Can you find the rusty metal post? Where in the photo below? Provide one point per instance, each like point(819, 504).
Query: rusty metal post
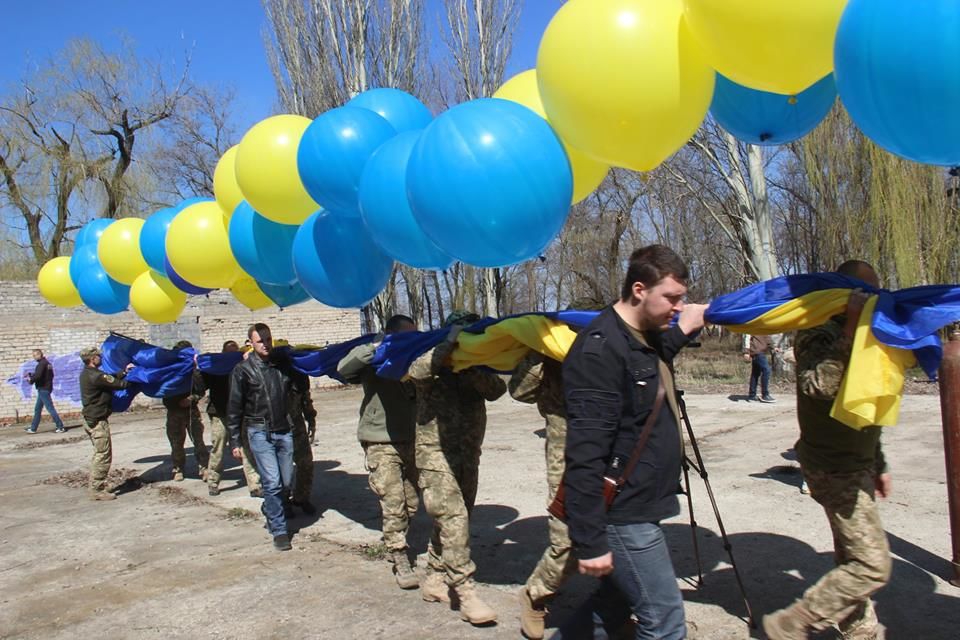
point(950, 410)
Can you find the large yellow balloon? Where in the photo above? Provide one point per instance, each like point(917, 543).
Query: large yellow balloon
point(249, 294)
point(198, 247)
point(266, 170)
point(155, 299)
point(55, 284)
point(587, 172)
point(119, 250)
point(622, 80)
point(225, 187)
point(781, 46)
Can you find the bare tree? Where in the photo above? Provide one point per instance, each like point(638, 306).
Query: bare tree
point(68, 138)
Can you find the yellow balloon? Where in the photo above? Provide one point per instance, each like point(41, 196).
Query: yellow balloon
point(55, 284)
point(587, 172)
point(249, 294)
point(622, 80)
point(781, 46)
point(119, 250)
point(155, 299)
point(198, 247)
point(225, 187)
point(266, 170)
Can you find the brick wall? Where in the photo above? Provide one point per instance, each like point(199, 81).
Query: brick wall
point(30, 322)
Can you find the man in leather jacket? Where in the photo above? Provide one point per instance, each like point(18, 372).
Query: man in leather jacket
point(260, 394)
point(612, 378)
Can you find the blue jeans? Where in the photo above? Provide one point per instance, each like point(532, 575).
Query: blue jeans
point(44, 400)
point(642, 583)
point(273, 452)
point(760, 370)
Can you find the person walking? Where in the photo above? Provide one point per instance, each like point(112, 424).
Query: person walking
point(42, 379)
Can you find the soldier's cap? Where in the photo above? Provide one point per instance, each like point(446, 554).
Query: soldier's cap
point(89, 352)
point(461, 317)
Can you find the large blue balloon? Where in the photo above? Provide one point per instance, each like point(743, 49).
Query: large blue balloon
point(490, 183)
point(332, 153)
point(284, 295)
point(101, 293)
point(261, 246)
point(179, 282)
point(760, 117)
point(91, 232)
point(898, 75)
point(153, 234)
point(83, 259)
point(386, 210)
point(399, 108)
point(337, 262)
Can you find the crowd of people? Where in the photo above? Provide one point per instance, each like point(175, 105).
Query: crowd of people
point(614, 450)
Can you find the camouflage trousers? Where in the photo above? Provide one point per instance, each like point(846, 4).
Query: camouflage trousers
point(393, 477)
point(303, 459)
point(448, 482)
point(99, 435)
point(181, 422)
point(219, 442)
point(861, 551)
point(556, 563)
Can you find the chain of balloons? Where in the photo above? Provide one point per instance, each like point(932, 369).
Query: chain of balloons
point(322, 209)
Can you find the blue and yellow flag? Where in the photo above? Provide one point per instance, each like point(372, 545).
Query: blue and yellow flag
point(896, 330)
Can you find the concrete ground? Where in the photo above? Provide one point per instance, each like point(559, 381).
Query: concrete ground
point(167, 561)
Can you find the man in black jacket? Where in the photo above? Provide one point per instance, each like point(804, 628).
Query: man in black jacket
point(260, 395)
point(612, 376)
point(96, 393)
point(42, 379)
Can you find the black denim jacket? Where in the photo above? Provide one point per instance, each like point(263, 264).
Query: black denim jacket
point(610, 384)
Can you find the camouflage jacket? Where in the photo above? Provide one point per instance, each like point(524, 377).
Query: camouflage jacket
point(537, 379)
point(826, 444)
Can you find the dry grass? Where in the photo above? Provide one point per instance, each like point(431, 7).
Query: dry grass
point(80, 479)
point(38, 444)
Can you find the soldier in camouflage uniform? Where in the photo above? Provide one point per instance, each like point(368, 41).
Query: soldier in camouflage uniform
point(304, 418)
point(96, 392)
point(219, 390)
point(843, 468)
point(183, 418)
point(451, 421)
point(388, 415)
point(537, 379)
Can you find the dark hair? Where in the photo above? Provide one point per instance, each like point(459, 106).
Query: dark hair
point(651, 264)
point(228, 343)
point(262, 330)
point(396, 322)
point(40, 351)
point(853, 268)
point(182, 344)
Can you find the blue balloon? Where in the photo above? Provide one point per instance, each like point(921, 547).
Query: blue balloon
point(399, 108)
point(179, 282)
point(262, 247)
point(91, 232)
point(386, 210)
point(101, 293)
point(153, 234)
point(489, 183)
point(83, 259)
point(897, 71)
point(337, 262)
point(764, 118)
point(332, 153)
point(284, 295)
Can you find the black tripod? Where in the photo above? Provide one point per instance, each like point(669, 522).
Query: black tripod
point(699, 467)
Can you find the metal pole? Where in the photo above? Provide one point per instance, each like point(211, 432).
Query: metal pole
point(950, 410)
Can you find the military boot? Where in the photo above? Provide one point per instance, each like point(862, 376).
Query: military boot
point(434, 588)
point(472, 608)
point(102, 495)
point(532, 616)
point(793, 623)
point(406, 578)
